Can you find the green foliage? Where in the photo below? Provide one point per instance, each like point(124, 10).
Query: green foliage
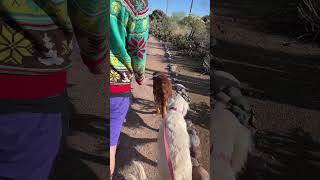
point(206, 18)
point(190, 34)
point(178, 16)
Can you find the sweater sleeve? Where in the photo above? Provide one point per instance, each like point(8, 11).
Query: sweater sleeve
point(137, 37)
point(89, 21)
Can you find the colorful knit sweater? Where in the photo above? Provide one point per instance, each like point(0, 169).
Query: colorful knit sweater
point(129, 30)
point(36, 40)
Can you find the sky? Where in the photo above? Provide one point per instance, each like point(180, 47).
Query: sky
point(200, 7)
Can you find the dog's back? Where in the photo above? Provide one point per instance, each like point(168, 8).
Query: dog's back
point(179, 143)
point(178, 140)
point(162, 91)
point(231, 144)
point(224, 127)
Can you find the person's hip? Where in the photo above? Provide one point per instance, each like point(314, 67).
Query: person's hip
point(29, 143)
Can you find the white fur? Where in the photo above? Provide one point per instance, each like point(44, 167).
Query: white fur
point(178, 140)
point(230, 137)
point(139, 173)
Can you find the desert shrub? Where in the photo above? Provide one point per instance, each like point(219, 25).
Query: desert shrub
point(190, 34)
point(157, 14)
point(309, 11)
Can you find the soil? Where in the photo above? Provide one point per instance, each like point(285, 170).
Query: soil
point(280, 77)
point(138, 140)
point(86, 154)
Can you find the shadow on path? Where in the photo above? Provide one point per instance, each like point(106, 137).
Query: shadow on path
point(70, 164)
point(291, 155)
point(126, 153)
point(145, 107)
point(273, 76)
point(71, 167)
point(200, 114)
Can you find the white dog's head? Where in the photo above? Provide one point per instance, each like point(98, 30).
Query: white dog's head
point(180, 104)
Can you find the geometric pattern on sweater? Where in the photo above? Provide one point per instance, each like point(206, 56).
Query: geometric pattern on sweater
point(129, 30)
point(36, 37)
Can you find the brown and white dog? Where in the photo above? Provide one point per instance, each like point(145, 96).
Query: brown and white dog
point(162, 91)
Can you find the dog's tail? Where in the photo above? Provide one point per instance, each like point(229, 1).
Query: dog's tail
point(242, 148)
point(139, 173)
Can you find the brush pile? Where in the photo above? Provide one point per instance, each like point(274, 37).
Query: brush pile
point(227, 91)
point(309, 11)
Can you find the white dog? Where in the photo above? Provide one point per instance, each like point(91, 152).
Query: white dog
point(178, 142)
point(231, 143)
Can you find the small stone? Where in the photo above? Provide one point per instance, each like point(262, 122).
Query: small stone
point(221, 96)
point(189, 124)
point(195, 152)
point(194, 162)
point(240, 114)
point(242, 102)
point(200, 173)
point(221, 88)
point(222, 78)
point(220, 105)
point(213, 42)
point(173, 68)
point(234, 92)
point(167, 54)
point(194, 139)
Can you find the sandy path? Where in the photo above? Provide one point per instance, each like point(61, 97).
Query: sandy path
point(87, 156)
point(139, 136)
point(279, 78)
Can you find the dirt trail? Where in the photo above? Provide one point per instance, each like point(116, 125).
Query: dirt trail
point(278, 74)
point(87, 156)
point(138, 140)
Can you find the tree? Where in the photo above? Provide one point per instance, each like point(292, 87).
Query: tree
point(195, 22)
point(167, 7)
point(191, 7)
point(157, 14)
point(178, 16)
point(206, 18)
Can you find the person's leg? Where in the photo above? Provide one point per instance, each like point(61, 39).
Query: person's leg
point(29, 143)
point(119, 107)
point(113, 150)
